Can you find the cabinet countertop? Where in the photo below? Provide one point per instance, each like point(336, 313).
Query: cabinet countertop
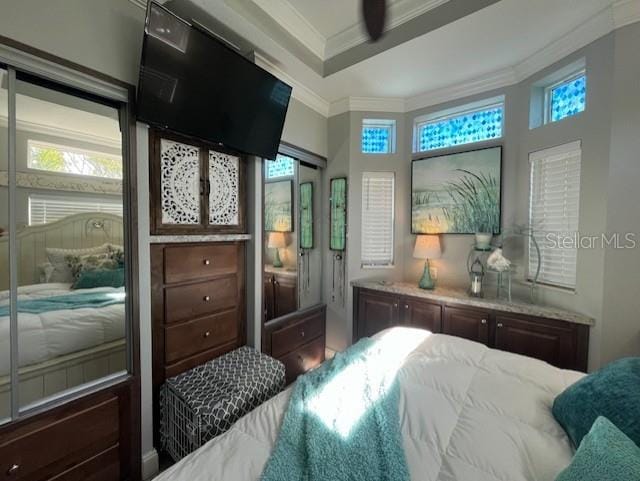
point(461, 296)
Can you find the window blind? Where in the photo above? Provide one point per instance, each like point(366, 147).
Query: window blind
point(377, 219)
point(553, 213)
point(44, 209)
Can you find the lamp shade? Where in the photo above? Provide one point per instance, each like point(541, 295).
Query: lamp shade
point(276, 240)
point(427, 247)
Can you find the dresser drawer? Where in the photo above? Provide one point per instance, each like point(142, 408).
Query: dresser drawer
point(188, 338)
point(61, 444)
point(188, 263)
point(184, 303)
point(290, 337)
point(303, 359)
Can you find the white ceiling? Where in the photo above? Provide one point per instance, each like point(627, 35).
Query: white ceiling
point(493, 47)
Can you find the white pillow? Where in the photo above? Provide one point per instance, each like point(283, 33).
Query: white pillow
point(45, 271)
point(57, 258)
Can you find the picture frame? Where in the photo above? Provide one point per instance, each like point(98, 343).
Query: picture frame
point(306, 215)
point(457, 192)
point(278, 206)
point(338, 214)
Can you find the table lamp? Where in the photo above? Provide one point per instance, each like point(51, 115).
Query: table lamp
point(277, 242)
point(427, 247)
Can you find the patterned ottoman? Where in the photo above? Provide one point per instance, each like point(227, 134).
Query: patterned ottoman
point(202, 403)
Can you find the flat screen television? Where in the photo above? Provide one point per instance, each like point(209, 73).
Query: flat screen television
point(194, 84)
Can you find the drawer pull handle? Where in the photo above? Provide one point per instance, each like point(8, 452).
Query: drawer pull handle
point(500, 325)
point(302, 333)
point(483, 321)
point(406, 306)
point(206, 298)
point(207, 262)
point(300, 359)
point(207, 334)
point(13, 470)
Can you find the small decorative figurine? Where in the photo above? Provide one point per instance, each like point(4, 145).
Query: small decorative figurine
point(498, 262)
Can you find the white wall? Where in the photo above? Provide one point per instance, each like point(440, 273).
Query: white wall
point(621, 311)
point(105, 35)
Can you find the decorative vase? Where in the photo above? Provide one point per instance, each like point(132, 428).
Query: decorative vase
point(426, 282)
point(483, 240)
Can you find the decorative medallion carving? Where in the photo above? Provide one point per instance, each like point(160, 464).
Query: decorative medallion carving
point(224, 177)
point(180, 183)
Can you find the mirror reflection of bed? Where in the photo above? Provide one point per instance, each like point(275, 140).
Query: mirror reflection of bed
point(71, 312)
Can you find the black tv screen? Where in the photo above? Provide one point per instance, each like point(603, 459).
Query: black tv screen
point(192, 83)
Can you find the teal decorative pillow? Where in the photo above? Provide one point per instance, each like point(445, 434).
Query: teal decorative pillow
point(100, 278)
point(605, 454)
point(612, 392)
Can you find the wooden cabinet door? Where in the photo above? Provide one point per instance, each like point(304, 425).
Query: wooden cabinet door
point(375, 313)
point(286, 295)
point(467, 323)
point(550, 341)
point(269, 299)
point(421, 314)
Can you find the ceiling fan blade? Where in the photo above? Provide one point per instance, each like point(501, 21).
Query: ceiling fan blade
point(375, 15)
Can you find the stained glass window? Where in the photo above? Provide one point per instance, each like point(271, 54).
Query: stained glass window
point(378, 136)
point(567, 98)
point(283, 166)
point(474, 126)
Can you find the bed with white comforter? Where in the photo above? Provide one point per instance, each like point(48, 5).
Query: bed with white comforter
point(48, 335)
point(467, 412)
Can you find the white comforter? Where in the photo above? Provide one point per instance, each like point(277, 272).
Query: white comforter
point(468, 413)
point(51, 334)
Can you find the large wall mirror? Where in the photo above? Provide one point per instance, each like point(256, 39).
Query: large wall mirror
point(292, 239)
point(63, 219)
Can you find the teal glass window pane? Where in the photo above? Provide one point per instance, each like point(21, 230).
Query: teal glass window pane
point(462, 129)
point(376, 140)
point(569, 98)
point(283, 166)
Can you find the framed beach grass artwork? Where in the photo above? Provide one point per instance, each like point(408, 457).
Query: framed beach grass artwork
point(457, 193)
point(278, 206)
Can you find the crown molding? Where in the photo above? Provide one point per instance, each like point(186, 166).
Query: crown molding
point(367, 104)
point(626, 12)
point(400, 12)
point(300, 91)
point(295, 23)
point(491, 81)
point(620, 13)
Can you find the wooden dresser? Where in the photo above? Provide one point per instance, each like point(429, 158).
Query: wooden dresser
point(197, 305)
point(558, 337)
point(89, 438)
point(298, 340)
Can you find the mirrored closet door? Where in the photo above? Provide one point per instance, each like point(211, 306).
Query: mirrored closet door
point(62, 243)
point(5, 325)
point(292, 241)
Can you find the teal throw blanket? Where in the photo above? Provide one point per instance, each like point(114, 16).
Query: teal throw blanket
point(69, 301)
point(342, 422)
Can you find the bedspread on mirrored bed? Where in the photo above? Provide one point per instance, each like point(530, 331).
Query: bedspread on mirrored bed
point(62, 346)
point(467, 413)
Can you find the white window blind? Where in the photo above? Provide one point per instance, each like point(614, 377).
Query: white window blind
point(377, 219)
point(44, 209)
point(553, 213)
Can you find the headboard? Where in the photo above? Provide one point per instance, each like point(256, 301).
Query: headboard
point(77, 231)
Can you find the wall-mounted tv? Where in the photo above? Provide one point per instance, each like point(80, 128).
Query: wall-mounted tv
point(193, 83)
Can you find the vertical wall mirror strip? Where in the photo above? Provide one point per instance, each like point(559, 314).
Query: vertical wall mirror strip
point(66, 273)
